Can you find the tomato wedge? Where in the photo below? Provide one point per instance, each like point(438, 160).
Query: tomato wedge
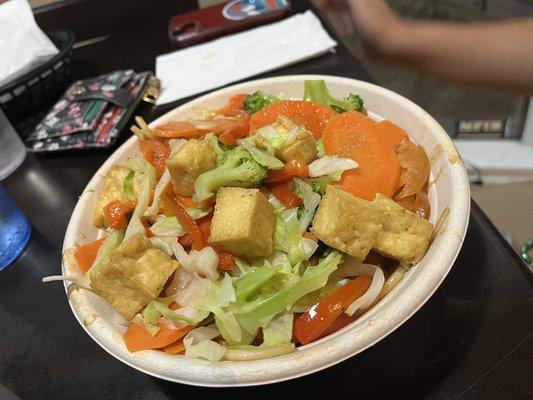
point(313, 323)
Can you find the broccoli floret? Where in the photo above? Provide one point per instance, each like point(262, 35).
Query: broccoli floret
point(258, 100)
point(237, 169)
point(316, 91)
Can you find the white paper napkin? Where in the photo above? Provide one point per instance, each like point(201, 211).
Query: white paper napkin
point(22, 44)
point(242, 55)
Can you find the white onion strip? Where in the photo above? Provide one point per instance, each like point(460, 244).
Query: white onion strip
point(367, 299)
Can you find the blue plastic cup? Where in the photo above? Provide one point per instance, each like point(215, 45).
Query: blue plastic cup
point(14, 230)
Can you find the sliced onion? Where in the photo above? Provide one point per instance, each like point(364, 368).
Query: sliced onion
point(370, 295)
point(159, 188)
point(257, 353)
point(354, 267)
point(329, 165)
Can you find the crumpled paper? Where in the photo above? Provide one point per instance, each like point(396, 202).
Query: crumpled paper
point(213, 64)
point(23, 45)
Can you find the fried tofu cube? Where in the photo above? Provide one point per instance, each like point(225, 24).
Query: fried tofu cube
point(113, 191)
point(302, 145)
point(132, 276)
point(243, 223)
point(347, 223)
point(193, 159)
point(404, 235)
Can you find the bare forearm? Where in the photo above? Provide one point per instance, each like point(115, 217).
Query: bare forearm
point(498, 55)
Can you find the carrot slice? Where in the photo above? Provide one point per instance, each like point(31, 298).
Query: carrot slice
point(86, 254)
point(314, 322)
point(390, 133)
point(313, 116)
point(175, 348)
point(353, 135)
point(138, 338)
point(177, 129)
point(226, 261)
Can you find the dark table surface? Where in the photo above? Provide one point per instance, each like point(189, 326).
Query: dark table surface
point(471, 340)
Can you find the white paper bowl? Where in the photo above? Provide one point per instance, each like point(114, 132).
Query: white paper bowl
point(448, 188)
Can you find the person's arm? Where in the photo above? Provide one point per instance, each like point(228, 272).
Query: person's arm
point(492, 54)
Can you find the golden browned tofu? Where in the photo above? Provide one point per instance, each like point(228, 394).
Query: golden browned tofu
point(301, 142)
point(113, 191)
point(193, 159)
point(404, 236)
point(132, 276)
point(243, 223)
point(347, 223)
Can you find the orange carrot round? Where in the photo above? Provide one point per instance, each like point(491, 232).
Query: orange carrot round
point(352, 135)
point(313, 116)
point(86, 254)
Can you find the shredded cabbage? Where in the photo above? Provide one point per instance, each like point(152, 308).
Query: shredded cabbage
point(310, 199)
point(199, 344)
point(279, 330)
point(252, 280)
point(293, 236)
point(127, 185)
point(140, 165)
point(258, 313)
point(159, 188)
point(320, 148)
point(111, 242)
point(167, 227)
point(260, 156)
point(328, 165)
point(187, 315)
point(203, 261)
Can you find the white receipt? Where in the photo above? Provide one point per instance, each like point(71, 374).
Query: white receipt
point(216, 63)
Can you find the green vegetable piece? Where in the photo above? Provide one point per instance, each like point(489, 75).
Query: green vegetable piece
point(316, 91)
point(258, 313)
point(239, 169)
point(250, 282)
point(127, 185)
point(257, 101)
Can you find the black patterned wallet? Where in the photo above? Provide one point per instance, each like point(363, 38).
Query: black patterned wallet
point(92, 112)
